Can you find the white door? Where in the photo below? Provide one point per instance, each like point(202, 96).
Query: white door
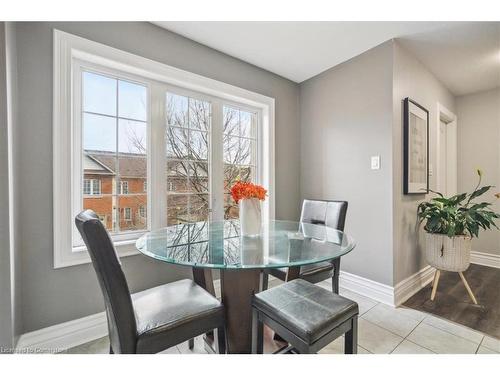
point(443, 157)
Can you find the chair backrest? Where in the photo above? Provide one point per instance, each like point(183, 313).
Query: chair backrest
point(329, 213)
point(118, 303)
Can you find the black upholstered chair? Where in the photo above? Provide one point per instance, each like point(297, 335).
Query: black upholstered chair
point(305, 315)
point(152, 320)
point(322, 212)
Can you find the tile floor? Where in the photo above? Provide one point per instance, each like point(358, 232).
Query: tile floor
point(382, 330)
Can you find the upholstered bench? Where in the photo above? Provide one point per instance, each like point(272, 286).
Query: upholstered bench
point(307, 316)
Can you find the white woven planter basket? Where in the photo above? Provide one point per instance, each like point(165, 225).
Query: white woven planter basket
point(448, 254)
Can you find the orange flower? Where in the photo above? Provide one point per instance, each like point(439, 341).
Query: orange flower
point(247, 190)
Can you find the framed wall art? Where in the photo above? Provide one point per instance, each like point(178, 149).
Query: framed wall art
point(416, 148)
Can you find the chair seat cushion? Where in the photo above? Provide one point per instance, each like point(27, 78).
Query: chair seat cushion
point(307, 310)
point(173, 310)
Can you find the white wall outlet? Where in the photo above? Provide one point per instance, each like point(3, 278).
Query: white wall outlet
point(430, 170)
point(376, 162)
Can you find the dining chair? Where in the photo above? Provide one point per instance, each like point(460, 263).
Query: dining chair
point(321, 212)
point(152, 320)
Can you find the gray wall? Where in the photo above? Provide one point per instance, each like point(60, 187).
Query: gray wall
point(6, 328)
point(53, 296)
point(479, 147)
point(346, 117)
point(412, 79)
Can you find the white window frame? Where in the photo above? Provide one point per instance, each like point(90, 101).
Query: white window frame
point(122, 185)
point(69, 48)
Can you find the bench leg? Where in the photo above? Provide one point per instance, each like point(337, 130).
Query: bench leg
point(257, 334)
point(336, 274)
point(191, 344)
point(351, 338)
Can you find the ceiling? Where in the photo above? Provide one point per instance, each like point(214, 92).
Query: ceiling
point(465, 56)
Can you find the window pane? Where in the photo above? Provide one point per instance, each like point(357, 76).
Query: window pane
point(246, 124)
point(132, 100)
point(231, 175)
point(132, 137)
point(130, 215)
point(99, 94)
point(199, 114)
point(177, 110)
point(231, 120)
point(199, 204)
point(231, 210)
point(177, 209)
point(231, 150)
point(177, 143)
point(99, 133)
point(102, 205)
point(198, 142)
point(246, 152)
point(198, 177)
point(177, 179)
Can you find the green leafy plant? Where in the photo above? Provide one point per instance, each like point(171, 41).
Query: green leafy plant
point(458, 215)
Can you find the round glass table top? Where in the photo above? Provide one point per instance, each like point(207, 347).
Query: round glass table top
point(219, 245)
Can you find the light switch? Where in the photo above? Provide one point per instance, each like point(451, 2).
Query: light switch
point(376, 162)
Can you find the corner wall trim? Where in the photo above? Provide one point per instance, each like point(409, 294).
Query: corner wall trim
point(366, 287)
point(485, 259)
point(412, 284)
point(63, 336)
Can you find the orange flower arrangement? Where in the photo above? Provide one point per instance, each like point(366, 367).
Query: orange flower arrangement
point(247, 190)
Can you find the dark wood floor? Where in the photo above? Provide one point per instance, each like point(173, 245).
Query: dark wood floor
point(453, 303)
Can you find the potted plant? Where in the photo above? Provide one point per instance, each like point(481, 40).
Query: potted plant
point(249, 196)
point(450, 225)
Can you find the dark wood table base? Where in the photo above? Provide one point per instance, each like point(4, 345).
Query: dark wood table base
point(237, 288)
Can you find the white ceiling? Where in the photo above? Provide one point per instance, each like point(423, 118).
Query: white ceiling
point(464, 57)
point(456, 52)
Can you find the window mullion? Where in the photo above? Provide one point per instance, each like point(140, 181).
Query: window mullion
point(157, 160)
point(217, 161)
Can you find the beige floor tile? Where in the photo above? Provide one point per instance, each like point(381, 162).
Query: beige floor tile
point(392, 319)
point(484, 350)
point(456, 329)
point(364, 303)
point(99, 346)
point(376, 339)
point(491, 343)
point(408, 347)
point(411, 313)
point(199, 347)
point(440, 341)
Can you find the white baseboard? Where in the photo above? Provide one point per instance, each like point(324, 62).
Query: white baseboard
point(63, 336)
point(485, 259)
point(366, 287)
point(411, 285)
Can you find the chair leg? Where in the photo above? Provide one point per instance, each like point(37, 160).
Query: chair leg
point(351, 338)
point(265, 280)
point(435, 284)
point(257, 334)
point(220, 340)
point(336, 274)
point(191, 344)
point(469, 290)
point(111, 350)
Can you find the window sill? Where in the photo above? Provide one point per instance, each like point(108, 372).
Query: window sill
point(79, 254)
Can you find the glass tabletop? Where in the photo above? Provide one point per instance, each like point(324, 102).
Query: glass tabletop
point(219, 245)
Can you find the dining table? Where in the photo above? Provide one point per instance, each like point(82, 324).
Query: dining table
point(241, 260)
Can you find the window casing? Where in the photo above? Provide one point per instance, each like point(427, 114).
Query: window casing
point(72, 57)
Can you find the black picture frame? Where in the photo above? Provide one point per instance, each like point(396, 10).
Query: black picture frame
point(410, 107)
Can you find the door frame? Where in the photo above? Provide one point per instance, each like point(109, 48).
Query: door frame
point(451, 179)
